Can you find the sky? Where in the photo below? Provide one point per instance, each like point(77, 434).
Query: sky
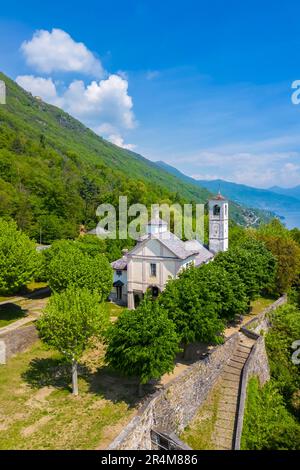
point(204, 86)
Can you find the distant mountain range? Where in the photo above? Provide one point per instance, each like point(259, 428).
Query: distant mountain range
point(276, 199)
point(293, 192)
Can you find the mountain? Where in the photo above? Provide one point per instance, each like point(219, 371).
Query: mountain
point(292, 192)
point(54, 171)
point(246, 195)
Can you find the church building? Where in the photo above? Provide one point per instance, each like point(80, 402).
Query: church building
point(160, 255)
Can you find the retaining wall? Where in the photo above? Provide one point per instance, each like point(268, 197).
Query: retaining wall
point(174, 406)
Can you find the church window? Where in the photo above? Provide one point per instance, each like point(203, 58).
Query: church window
point(119, 273)
point(216, 210)
point(153, 269)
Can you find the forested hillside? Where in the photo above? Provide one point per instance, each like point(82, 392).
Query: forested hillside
point(54, 171)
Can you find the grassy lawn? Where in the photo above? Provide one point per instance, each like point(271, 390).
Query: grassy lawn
point(28, 289)
point(37, 410)
point(9, 313)
point(198, 434)
point(114, 310)
point(258, 305)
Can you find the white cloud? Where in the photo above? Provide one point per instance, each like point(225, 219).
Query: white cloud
point(104, 106)
point(119, 141)
point(107, 99)
point(54, 51)
point(38, 86)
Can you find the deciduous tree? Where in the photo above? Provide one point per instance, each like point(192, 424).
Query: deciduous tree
point(71, 320)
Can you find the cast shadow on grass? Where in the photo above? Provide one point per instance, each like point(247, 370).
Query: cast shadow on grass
point(112, 386)
point(10, 312)
point(53, 372)
point(46, 372)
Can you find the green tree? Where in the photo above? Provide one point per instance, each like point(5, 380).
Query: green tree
point(223, 288)
point(142, 342)
point(193, 308)
point(19, 260)
point(70, 266)
point(253, 263)
point(71, 321)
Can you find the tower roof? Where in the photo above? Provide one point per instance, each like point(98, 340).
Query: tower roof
point(219, 197)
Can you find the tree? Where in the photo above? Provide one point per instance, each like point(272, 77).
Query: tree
point(193, 308)
point(285, 330)
point(287, 254)
point(19, 260)
point(253, 263)
point(142, 342)
point(70, 322)
point(68, 266)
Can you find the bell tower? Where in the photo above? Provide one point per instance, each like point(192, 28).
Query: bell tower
point(218, 224)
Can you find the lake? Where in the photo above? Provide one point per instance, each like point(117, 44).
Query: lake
point(291, 219)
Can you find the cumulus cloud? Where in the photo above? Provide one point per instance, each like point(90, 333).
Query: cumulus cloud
point(56, 50)
point(107, 99)
point(38, 86)
point(104, 106)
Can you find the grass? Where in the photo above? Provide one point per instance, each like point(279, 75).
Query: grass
point(114, 310)
point(198, 434)
point(258, 305)
point(38, 411)
point(9, 313)
point(28, 289)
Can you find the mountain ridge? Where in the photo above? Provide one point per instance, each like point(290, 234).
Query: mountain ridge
point(54, 171)
point(263, 199)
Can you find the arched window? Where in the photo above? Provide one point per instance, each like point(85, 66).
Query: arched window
point(225, 209)
point(216, 210)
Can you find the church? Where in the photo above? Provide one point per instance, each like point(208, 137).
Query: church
point(160, 255)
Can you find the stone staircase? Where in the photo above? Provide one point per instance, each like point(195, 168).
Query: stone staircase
point(224, 426)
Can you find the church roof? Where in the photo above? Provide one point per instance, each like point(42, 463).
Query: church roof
point(120, 264)
point(179, 248)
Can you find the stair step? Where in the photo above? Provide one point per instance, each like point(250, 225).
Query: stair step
point(231, 377)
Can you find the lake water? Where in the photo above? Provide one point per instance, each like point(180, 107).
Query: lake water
point(291, 219)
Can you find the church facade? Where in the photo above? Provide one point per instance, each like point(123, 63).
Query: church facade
point(159, 255)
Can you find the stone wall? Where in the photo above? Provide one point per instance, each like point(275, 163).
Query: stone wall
point(17, 340)
point(174, 406)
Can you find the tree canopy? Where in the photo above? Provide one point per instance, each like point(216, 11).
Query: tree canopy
point(19, 260)
point(68, 265)
point(253, 263)
point(193, 307)
point(71, 320)
point(142, 342)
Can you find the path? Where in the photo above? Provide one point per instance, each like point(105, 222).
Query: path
point(223, 433)
point(33, 307)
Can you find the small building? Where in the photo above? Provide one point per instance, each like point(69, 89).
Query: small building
point(160, 255)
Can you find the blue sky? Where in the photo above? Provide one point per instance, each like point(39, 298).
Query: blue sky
point(204, 86)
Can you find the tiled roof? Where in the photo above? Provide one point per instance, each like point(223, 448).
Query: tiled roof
point(181, 250)
point(203, 256)
point(120, 264)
